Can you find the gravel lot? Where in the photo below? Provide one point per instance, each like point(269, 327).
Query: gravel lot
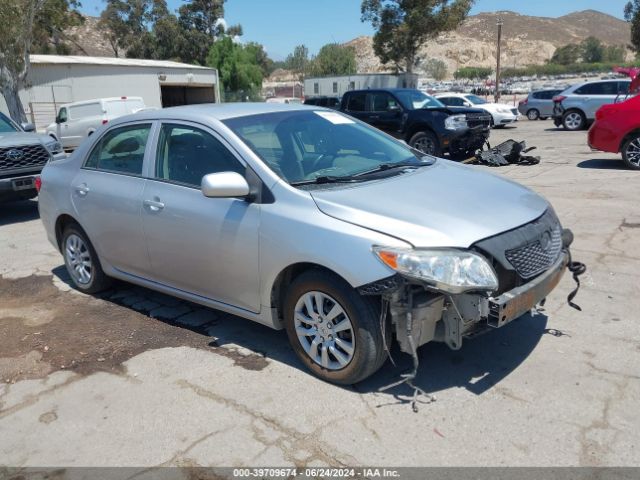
point(136, 378)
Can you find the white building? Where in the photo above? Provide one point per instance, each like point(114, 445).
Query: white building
point(55, 79)
point(335, 86)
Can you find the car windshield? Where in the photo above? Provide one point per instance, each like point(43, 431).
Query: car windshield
point(302, 146)
point(476, 100)
point(6, 125)
point(415, 100)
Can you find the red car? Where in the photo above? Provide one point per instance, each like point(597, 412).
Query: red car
point(617, 129)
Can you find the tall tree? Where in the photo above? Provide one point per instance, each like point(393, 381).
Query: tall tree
point(298, 61)
point(402, 26)
point(238, 68)
point(50, 28)
point(334, 59)
point(592, 50)
point(17, 19)
point(632, 15)
point(566, 55)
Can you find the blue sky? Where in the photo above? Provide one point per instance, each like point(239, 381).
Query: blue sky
point(282, 24)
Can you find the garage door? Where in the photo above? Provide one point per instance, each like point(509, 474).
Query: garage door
point(175, 95)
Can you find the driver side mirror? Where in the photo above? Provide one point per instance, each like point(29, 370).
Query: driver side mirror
point(224, 185)
point(28, 127)
point(467, 104)
point(394, 108)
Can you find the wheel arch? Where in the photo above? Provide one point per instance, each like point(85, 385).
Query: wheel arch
point(287, 276)
point(62, 222)
point(420, 127)
point(627, 137)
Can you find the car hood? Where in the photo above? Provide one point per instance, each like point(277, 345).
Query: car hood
point(495, 106)
point(443, 205)
point(15, 139)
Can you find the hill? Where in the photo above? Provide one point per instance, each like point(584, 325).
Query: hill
point(526, 39)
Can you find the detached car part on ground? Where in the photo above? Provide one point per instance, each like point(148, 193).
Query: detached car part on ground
point(421, 121)
point(617, 130)
point(23, 154)
point(304, 219)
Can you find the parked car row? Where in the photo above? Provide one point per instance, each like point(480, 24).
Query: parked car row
point(501, 114)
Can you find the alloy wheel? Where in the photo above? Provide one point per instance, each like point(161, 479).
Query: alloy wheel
point(324, 330)
point(573, 121)
point(633, 152)
point(425, 145)
point(533, 114)
point(78, 259)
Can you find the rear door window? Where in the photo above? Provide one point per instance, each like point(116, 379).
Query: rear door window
point(121, 150)
point(357, 102)
point(623, 88)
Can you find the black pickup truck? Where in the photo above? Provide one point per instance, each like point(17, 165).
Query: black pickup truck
point(420, 120)
point(23, 154)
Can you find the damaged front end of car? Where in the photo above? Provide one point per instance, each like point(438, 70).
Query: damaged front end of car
point(447, 295)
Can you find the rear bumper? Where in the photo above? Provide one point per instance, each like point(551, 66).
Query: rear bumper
point(604, 137)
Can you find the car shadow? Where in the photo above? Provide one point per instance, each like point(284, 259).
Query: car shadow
point(18, 212)
point(481, 363)
point(604, 164)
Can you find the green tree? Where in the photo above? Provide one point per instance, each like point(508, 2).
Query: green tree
point(298, 61)
point(238, 68)
point(614, 53)
point(472, 73)
point(436, 69)
point(592, 50)
point(402, 26)
point(566, 55)
point(632, 15)
point(50, 25)
point(17, 18)
point(334, 59)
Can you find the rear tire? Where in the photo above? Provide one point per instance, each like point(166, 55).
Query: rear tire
point(533, 114)
point(574, 120)
point(344, 347)
point(82, 261)
point(631, 152)
point(426, 142)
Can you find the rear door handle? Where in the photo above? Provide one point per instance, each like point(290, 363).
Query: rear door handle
point(82, 190)
point(153, 205)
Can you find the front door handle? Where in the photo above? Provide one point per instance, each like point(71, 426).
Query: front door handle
point(153, 205)
point(82, 190)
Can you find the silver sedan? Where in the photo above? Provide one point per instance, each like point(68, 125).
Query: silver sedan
point(302, 218)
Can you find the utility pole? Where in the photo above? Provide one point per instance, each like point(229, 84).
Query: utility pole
point(497, 95)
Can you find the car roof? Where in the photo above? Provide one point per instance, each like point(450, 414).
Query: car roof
point(216, 111)
point(578, 85)
point(98, 100)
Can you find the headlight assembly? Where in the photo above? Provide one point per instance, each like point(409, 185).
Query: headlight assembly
point(54, 147)
point(455, 122)
point(449, 270)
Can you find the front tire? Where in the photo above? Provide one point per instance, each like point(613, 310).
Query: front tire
point(574, 120)
point(631, 152)
point(426, 142)
point(82, 261)
point(333, 330)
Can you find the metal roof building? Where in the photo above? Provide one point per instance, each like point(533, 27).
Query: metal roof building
point(57, 79)
point(335, 86)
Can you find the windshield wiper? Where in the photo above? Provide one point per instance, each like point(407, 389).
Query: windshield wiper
point(327, 179)
point(390, 166)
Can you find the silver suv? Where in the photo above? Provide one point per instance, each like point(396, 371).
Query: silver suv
point(575, 108)
point(22, 156)
point(303, 218)
point(538, 105)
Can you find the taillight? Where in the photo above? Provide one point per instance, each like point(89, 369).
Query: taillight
point(524, 102)
point(559, 98)
point(38, 183)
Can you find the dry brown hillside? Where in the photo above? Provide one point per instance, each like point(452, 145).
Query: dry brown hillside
point(527, 39)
